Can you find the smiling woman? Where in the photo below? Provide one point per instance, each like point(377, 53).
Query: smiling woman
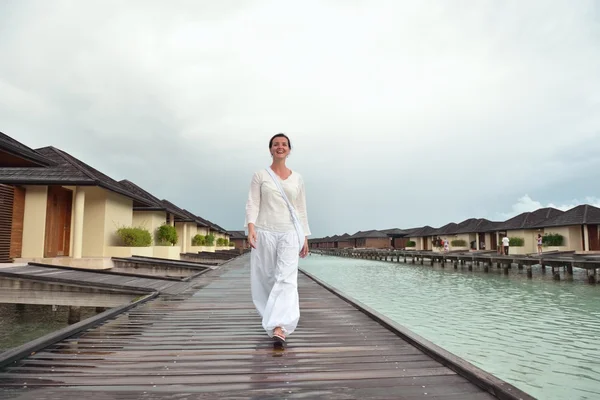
point(277, 231)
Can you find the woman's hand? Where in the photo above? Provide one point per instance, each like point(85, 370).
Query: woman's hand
point(304, 250)
point(251, 236)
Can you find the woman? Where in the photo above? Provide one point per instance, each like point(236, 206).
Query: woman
point(539, 244)
point(276, 244)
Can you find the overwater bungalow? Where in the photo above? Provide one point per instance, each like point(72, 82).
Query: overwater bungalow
point(470, 234)
point(342, 241)
point(522, 229)
point(574, 230)
point(372, 239)
point(61, 207)
point(399, 237)
point(439, 235)
point(239, 239)
point(56, 207)
point(422, 238)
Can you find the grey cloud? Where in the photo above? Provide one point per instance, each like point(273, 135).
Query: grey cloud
point(401, 114)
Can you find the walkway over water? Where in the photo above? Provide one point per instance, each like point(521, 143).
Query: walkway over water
point(207, 342)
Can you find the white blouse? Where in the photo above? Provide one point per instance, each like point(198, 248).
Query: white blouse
point(267, 209)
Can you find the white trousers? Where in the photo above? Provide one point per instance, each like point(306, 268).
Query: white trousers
point(274, 280)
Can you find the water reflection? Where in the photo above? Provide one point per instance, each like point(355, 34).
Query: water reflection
point(21, 323)
point(538, 334)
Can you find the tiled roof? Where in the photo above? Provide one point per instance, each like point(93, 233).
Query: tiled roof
point(580, 215)
point(181, 215)
point(447, 229)
point(188, 216)
point(368, 235)
point(528, 220)
point(237, 234)
point(467, 226)
point(156, 202)
point(423, 232)
point(18, 149)
point(66, 170)
point(486, 225)
point(209, 223)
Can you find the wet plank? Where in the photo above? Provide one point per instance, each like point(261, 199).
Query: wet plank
point(95, 278)
point(207, 341)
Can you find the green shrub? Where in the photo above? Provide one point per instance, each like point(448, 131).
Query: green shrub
point(134, 237)
point(516, 241)
point(199, 240)
point(166, 235)
point(458, 243)
point(411, 243)
point(552, 239)
point(210, 239)
point(221, 242)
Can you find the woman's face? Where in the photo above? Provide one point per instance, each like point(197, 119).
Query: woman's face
point(280, 147)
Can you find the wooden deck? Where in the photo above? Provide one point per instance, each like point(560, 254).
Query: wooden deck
point(94, 278)
point(207, 342)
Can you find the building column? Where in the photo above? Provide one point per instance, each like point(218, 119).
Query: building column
point(586, 239)
point(78, 223)
point(185, 238)
point(172, 219)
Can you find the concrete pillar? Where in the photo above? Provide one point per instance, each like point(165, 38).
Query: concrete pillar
point(586, 238)
point(185, 239)
point(74, 315)
point(78, 223)
point(172, 219)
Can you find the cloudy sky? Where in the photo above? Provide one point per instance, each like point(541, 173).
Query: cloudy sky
point(401, 113)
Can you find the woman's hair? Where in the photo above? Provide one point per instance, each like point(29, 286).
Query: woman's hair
point(280, 135)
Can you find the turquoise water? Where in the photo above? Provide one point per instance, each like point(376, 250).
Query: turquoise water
point(540, 335)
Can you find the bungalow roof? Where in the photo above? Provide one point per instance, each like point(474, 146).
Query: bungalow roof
point(20, 151)
point(528, 220)
point(423, 232)
point(579, 215)
point(237, 234)
point(66, 170)
point(368, 234)
point(156, 202)
point(447, 229)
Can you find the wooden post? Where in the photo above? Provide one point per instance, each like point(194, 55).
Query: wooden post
point(486, 268)
point(471, 267)
point(570, 269)
point(591, 273)
point(520, 266)
point(556, 274)
point(529, 271)
point(505, 269)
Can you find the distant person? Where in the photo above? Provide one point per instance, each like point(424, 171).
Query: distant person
point(505, 242)
point(539, 244)
point(446, 246)
point(277, 231)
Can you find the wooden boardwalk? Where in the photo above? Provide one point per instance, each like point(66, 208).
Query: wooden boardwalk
point(207, 342)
